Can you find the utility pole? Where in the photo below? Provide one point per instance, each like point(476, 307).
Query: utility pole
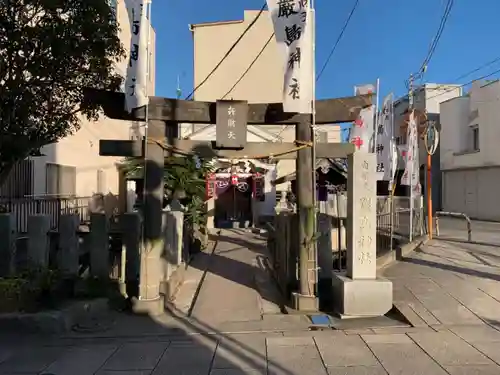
point(410, 152)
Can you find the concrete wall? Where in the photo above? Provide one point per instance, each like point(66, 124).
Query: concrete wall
point(471, 178)
point(479, 108)
point(81, 150)
point(263, 82)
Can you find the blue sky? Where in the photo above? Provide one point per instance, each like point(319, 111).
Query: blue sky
point(386, 39)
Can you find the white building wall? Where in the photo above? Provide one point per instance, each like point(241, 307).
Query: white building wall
point(458, 117)
point(471, 178)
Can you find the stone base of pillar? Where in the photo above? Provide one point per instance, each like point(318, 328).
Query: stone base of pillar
point(148, 306)
point(305, 303)
point(361, 298)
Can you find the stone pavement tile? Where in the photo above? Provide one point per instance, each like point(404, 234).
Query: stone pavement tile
point(241, 352)
point(490, 349)
point(449, 350)
point(236, 371)
point(480, 303)
point(316, 333)
point(473, 370)
point(440, 304)
point(31, 360)
point(110, 372)
point(396, 338)
point(476, 333)
point(398, 354)
point(185, 360)
point(290, 356)
point(357, 370)
point(409, 314)
point(401, 330)
point(345, 351)
point(84, 360)
point(136, 356)
point(409, 305)
point(365, 331)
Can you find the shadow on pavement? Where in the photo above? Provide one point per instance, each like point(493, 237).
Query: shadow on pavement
point(143, 345)
point(447, 267)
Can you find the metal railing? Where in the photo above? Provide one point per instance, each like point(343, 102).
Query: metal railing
point(455, 215)
point(22, 208)
point(392, 230)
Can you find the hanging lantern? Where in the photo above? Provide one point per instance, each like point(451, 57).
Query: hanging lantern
point(234, 180)
point(258, 187)
point(210, 186)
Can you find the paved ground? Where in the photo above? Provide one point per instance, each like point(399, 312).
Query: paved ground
point(450, 281)
point(449, 290)
point(462, 350)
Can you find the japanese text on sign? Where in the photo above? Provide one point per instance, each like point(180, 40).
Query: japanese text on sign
point(293, 28)
point(231, 127)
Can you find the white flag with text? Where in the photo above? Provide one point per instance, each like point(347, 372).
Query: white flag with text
point(137, 70)
point(293, 22)
point(385, 147)
point(411, 174)
point(361, 132)
point(364, 89)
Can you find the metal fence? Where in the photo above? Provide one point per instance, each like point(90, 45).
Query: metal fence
point(22, 208)
point(394, 226)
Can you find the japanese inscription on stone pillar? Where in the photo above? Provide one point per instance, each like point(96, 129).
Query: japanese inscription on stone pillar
point(361, 225)
point(231, 127)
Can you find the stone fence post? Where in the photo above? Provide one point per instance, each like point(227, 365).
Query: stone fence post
point(130, 225)
point(68, 256)
point(358, 292)
point(38, 241)
point(7, 243)
point(99, 246)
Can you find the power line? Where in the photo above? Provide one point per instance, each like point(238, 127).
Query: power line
point(437, 37)
point(338, 40)
point(229, 51)
point(250, 66)
point(478, 69)
point(481, 67)
point(465, 84)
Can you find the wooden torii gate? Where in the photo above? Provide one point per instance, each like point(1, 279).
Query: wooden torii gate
point(165, 114)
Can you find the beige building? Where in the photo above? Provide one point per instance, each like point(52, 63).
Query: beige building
point(262, 83)
point(470, 155)
point(427, 98)
point(72, 166)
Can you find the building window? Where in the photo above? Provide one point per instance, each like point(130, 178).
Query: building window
point(60, 180)
point(20, 181)
point(475, 138)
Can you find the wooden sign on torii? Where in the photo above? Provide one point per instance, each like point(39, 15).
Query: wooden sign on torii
point(165, 114)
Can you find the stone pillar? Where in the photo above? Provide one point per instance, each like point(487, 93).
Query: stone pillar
point(325, 256)
point(99, 246)
point(68, 256)
point(38, 241)
point(7, 243)
point(174, 221)
point(130, 225)
point(325, 261)
point(358, 292)
point(211, 213)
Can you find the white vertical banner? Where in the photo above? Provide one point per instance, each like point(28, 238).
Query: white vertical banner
point(361, 133)
point(411, 174)
point(364, 89)
point(385, 146)
point(293, 29)
point(137, 70)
